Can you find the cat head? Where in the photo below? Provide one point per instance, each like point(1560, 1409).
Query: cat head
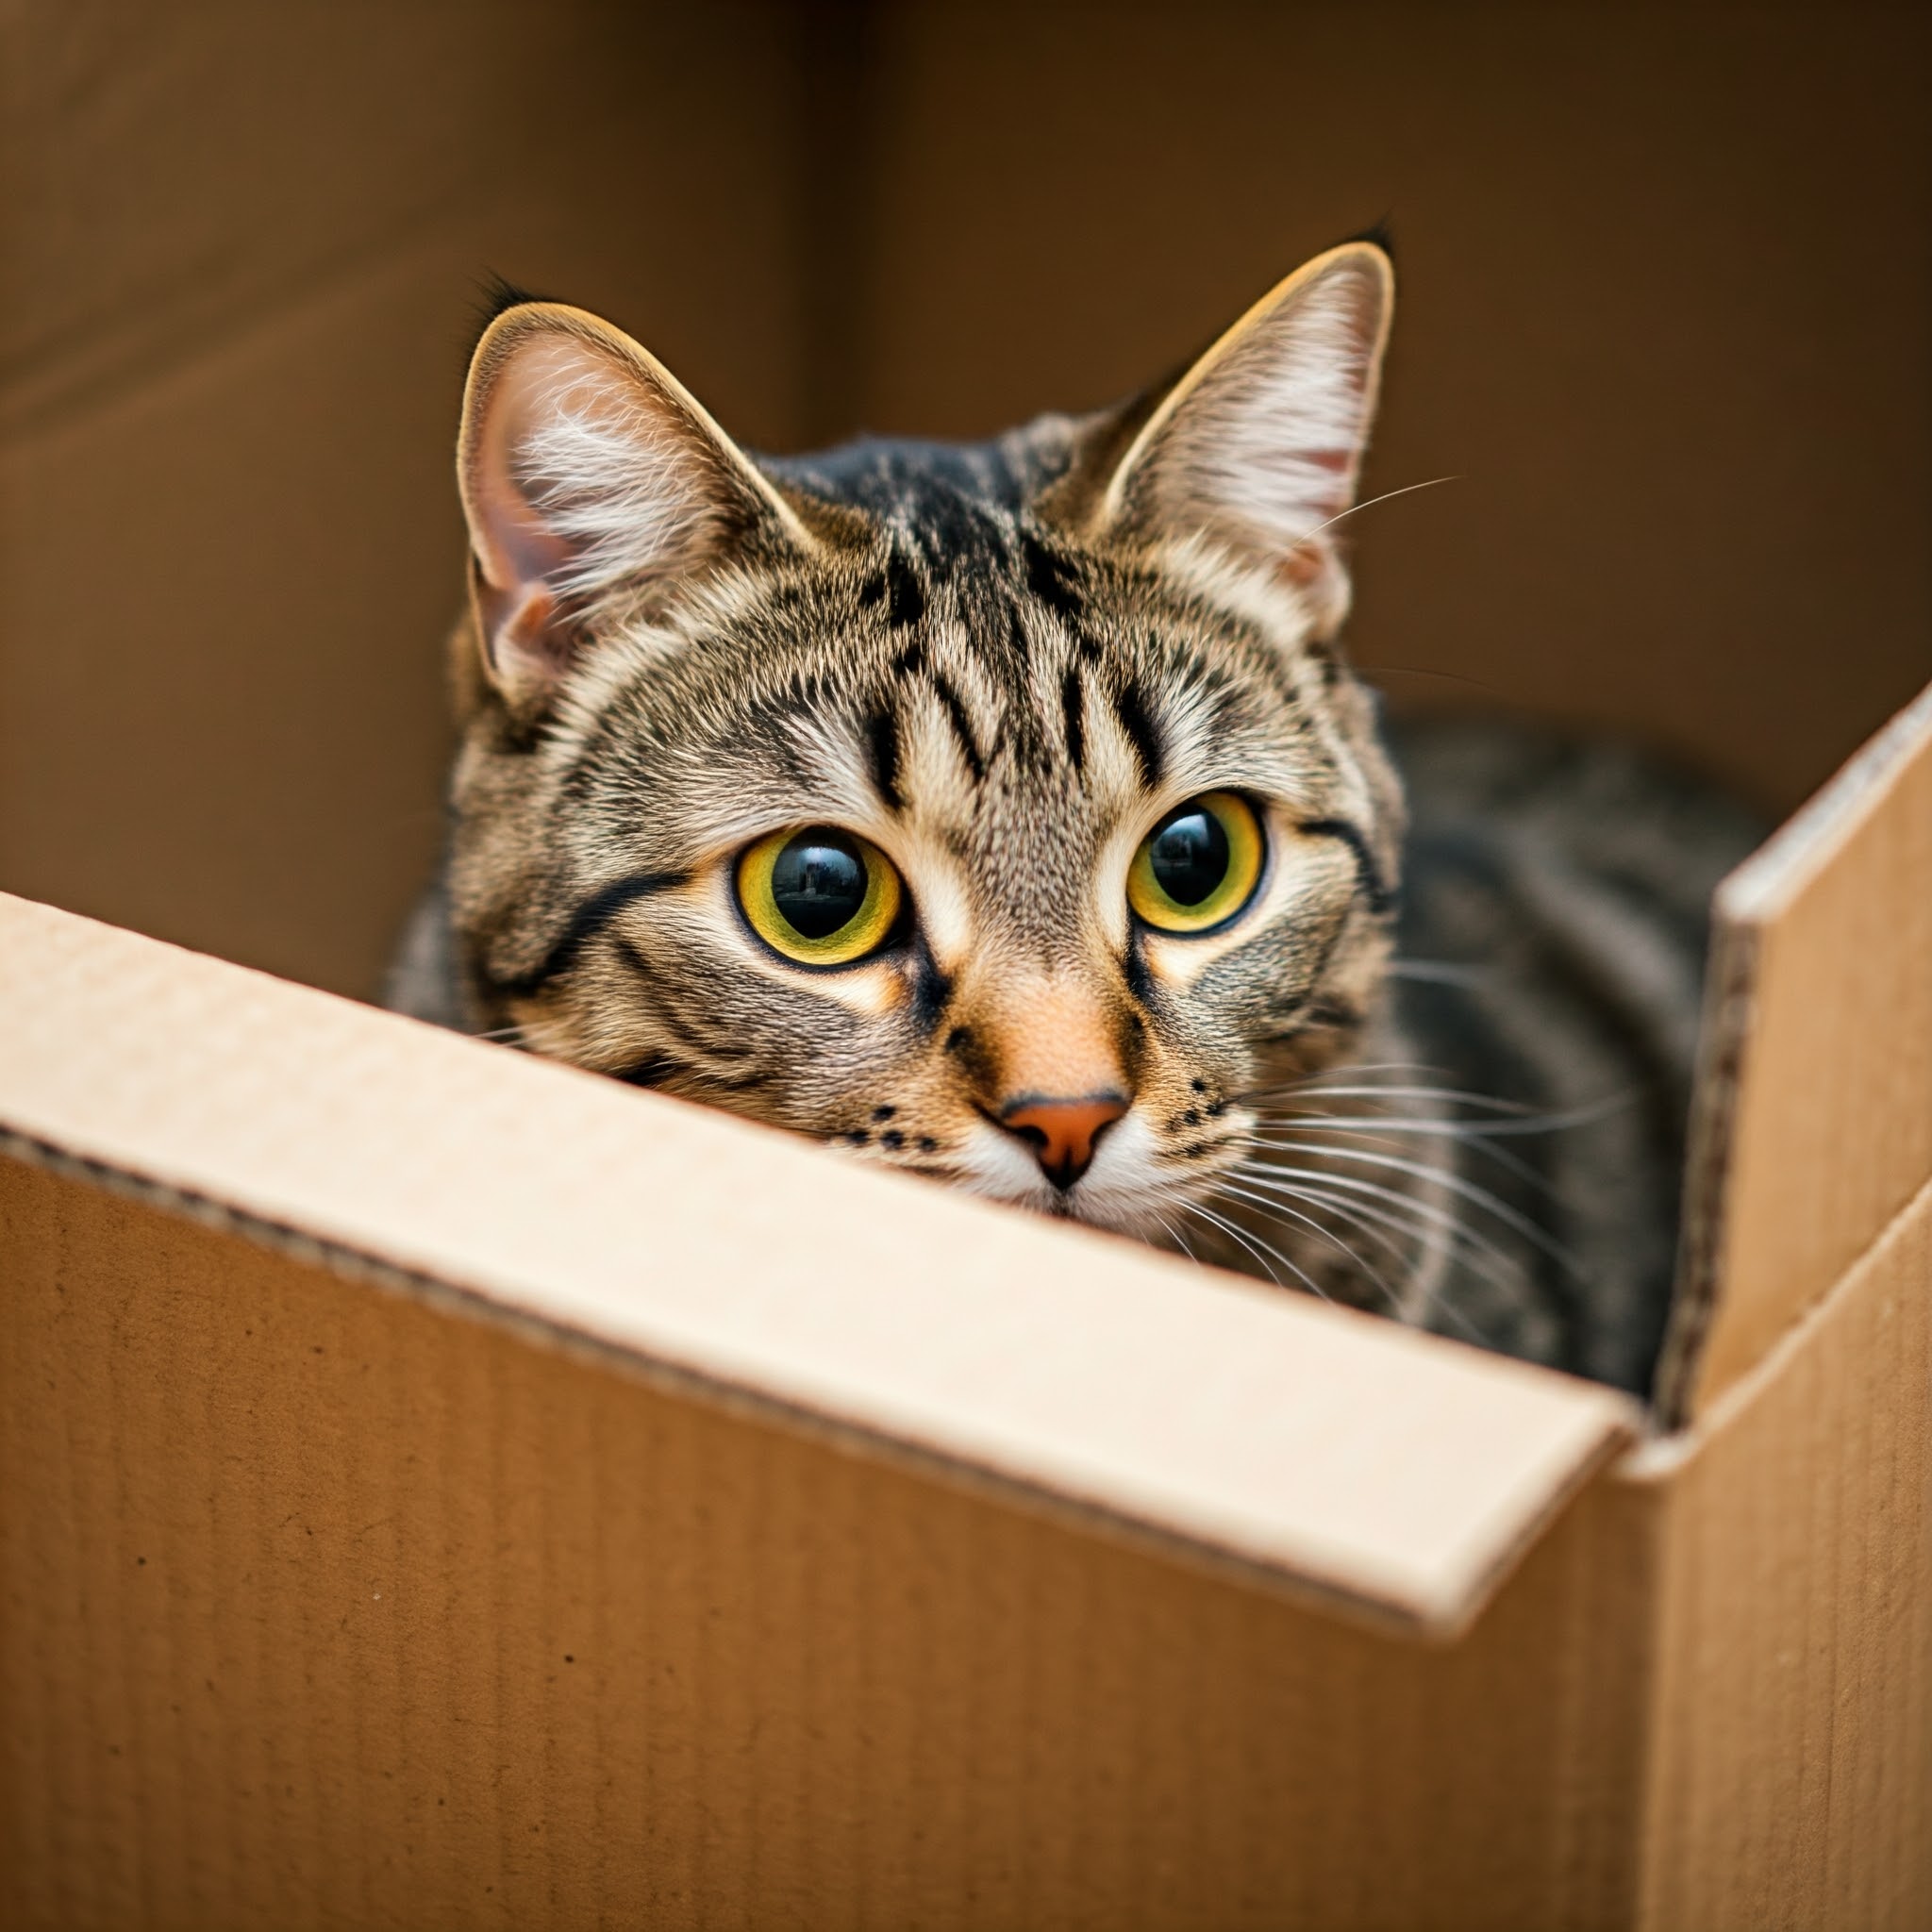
point(1003, 813)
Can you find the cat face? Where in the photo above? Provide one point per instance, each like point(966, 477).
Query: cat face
point(1001, 814)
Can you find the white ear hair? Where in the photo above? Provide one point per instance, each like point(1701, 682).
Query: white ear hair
point(1259, 447)
point(583, 465)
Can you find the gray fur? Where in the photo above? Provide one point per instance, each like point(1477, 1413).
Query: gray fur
point(1551, 955)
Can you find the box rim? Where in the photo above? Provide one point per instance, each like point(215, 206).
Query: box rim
point(1564, 1430)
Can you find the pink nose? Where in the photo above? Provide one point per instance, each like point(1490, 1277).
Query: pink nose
point(1062, 1133)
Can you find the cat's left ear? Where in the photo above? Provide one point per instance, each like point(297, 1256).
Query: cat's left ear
point(586, 470)
point(1258, 445)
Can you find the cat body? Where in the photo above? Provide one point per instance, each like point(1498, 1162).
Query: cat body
point(1006, 814)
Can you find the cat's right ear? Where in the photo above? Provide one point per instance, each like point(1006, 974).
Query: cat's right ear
point(587, 470)
point(1256, 449)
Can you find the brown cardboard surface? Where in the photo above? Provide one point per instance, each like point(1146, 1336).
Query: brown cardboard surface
point(180, 177)
point(322, 1607)
point(210, 726)
point(1082, 1375)
point(1792, 1758)
point(1814, 1119)
point(241, 249)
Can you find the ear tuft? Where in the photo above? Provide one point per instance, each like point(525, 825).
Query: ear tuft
point(1259, 447)
point(585, 469)
point(1378, 234)
point(497, 296)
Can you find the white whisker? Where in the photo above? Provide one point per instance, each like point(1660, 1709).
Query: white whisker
point(1369, 502)
point(1467, 1190)
point(1428, 1211)
point(1361, 1214)
point(1176, 1236)
point(1256, 1247)
point(1439, 973)
point(1520, 1122)
point(1305, 1090)
point(1378, 1132)
point(1277, 1209)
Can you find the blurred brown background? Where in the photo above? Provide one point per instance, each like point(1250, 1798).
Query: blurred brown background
point(1666, 305)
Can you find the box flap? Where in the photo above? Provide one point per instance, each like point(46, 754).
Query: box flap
point(1387, 1473)
point(1790, 1741)
point(1812, 1122)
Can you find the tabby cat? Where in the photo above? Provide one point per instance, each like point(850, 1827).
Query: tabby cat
point(1006, 814)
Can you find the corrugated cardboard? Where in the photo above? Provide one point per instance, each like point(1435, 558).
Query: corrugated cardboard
point(1197, 1411)
point(1791, 1754)
point(1814, 1123)
point(441, 1488)
point(432, 1470)
point(325, 1605)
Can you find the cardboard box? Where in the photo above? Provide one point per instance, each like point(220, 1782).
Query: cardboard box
point(444, 1487)
point(438, 1488)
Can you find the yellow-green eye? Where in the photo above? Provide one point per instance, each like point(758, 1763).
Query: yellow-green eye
point(1198, 866)
point(821, 897)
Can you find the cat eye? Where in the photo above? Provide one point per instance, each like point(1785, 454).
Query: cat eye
point(1198, 866)
point(822, 897)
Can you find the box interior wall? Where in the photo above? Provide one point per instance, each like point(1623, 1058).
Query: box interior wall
point(1663, 315)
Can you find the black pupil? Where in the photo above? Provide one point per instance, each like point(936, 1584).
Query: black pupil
point(818, 883)
point(1189, 854)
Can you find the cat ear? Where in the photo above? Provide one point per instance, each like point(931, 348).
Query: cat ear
point(586, 468)
point(1257, 447)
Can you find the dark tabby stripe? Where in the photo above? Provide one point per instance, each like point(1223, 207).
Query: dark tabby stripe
point(687, 1027)
point(653, 1070)
point(882, 744)
point(962, 726)
point(585, 924)
point(659, 1069)
point(1130, 707)
point(1368, 873)
point(1052, 579)
point(1072, 704)
point(932, 990)
point(905, 600)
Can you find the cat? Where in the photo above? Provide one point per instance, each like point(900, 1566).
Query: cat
point(1009, 814)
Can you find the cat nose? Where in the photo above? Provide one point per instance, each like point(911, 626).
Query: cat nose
point(1062, 1133)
